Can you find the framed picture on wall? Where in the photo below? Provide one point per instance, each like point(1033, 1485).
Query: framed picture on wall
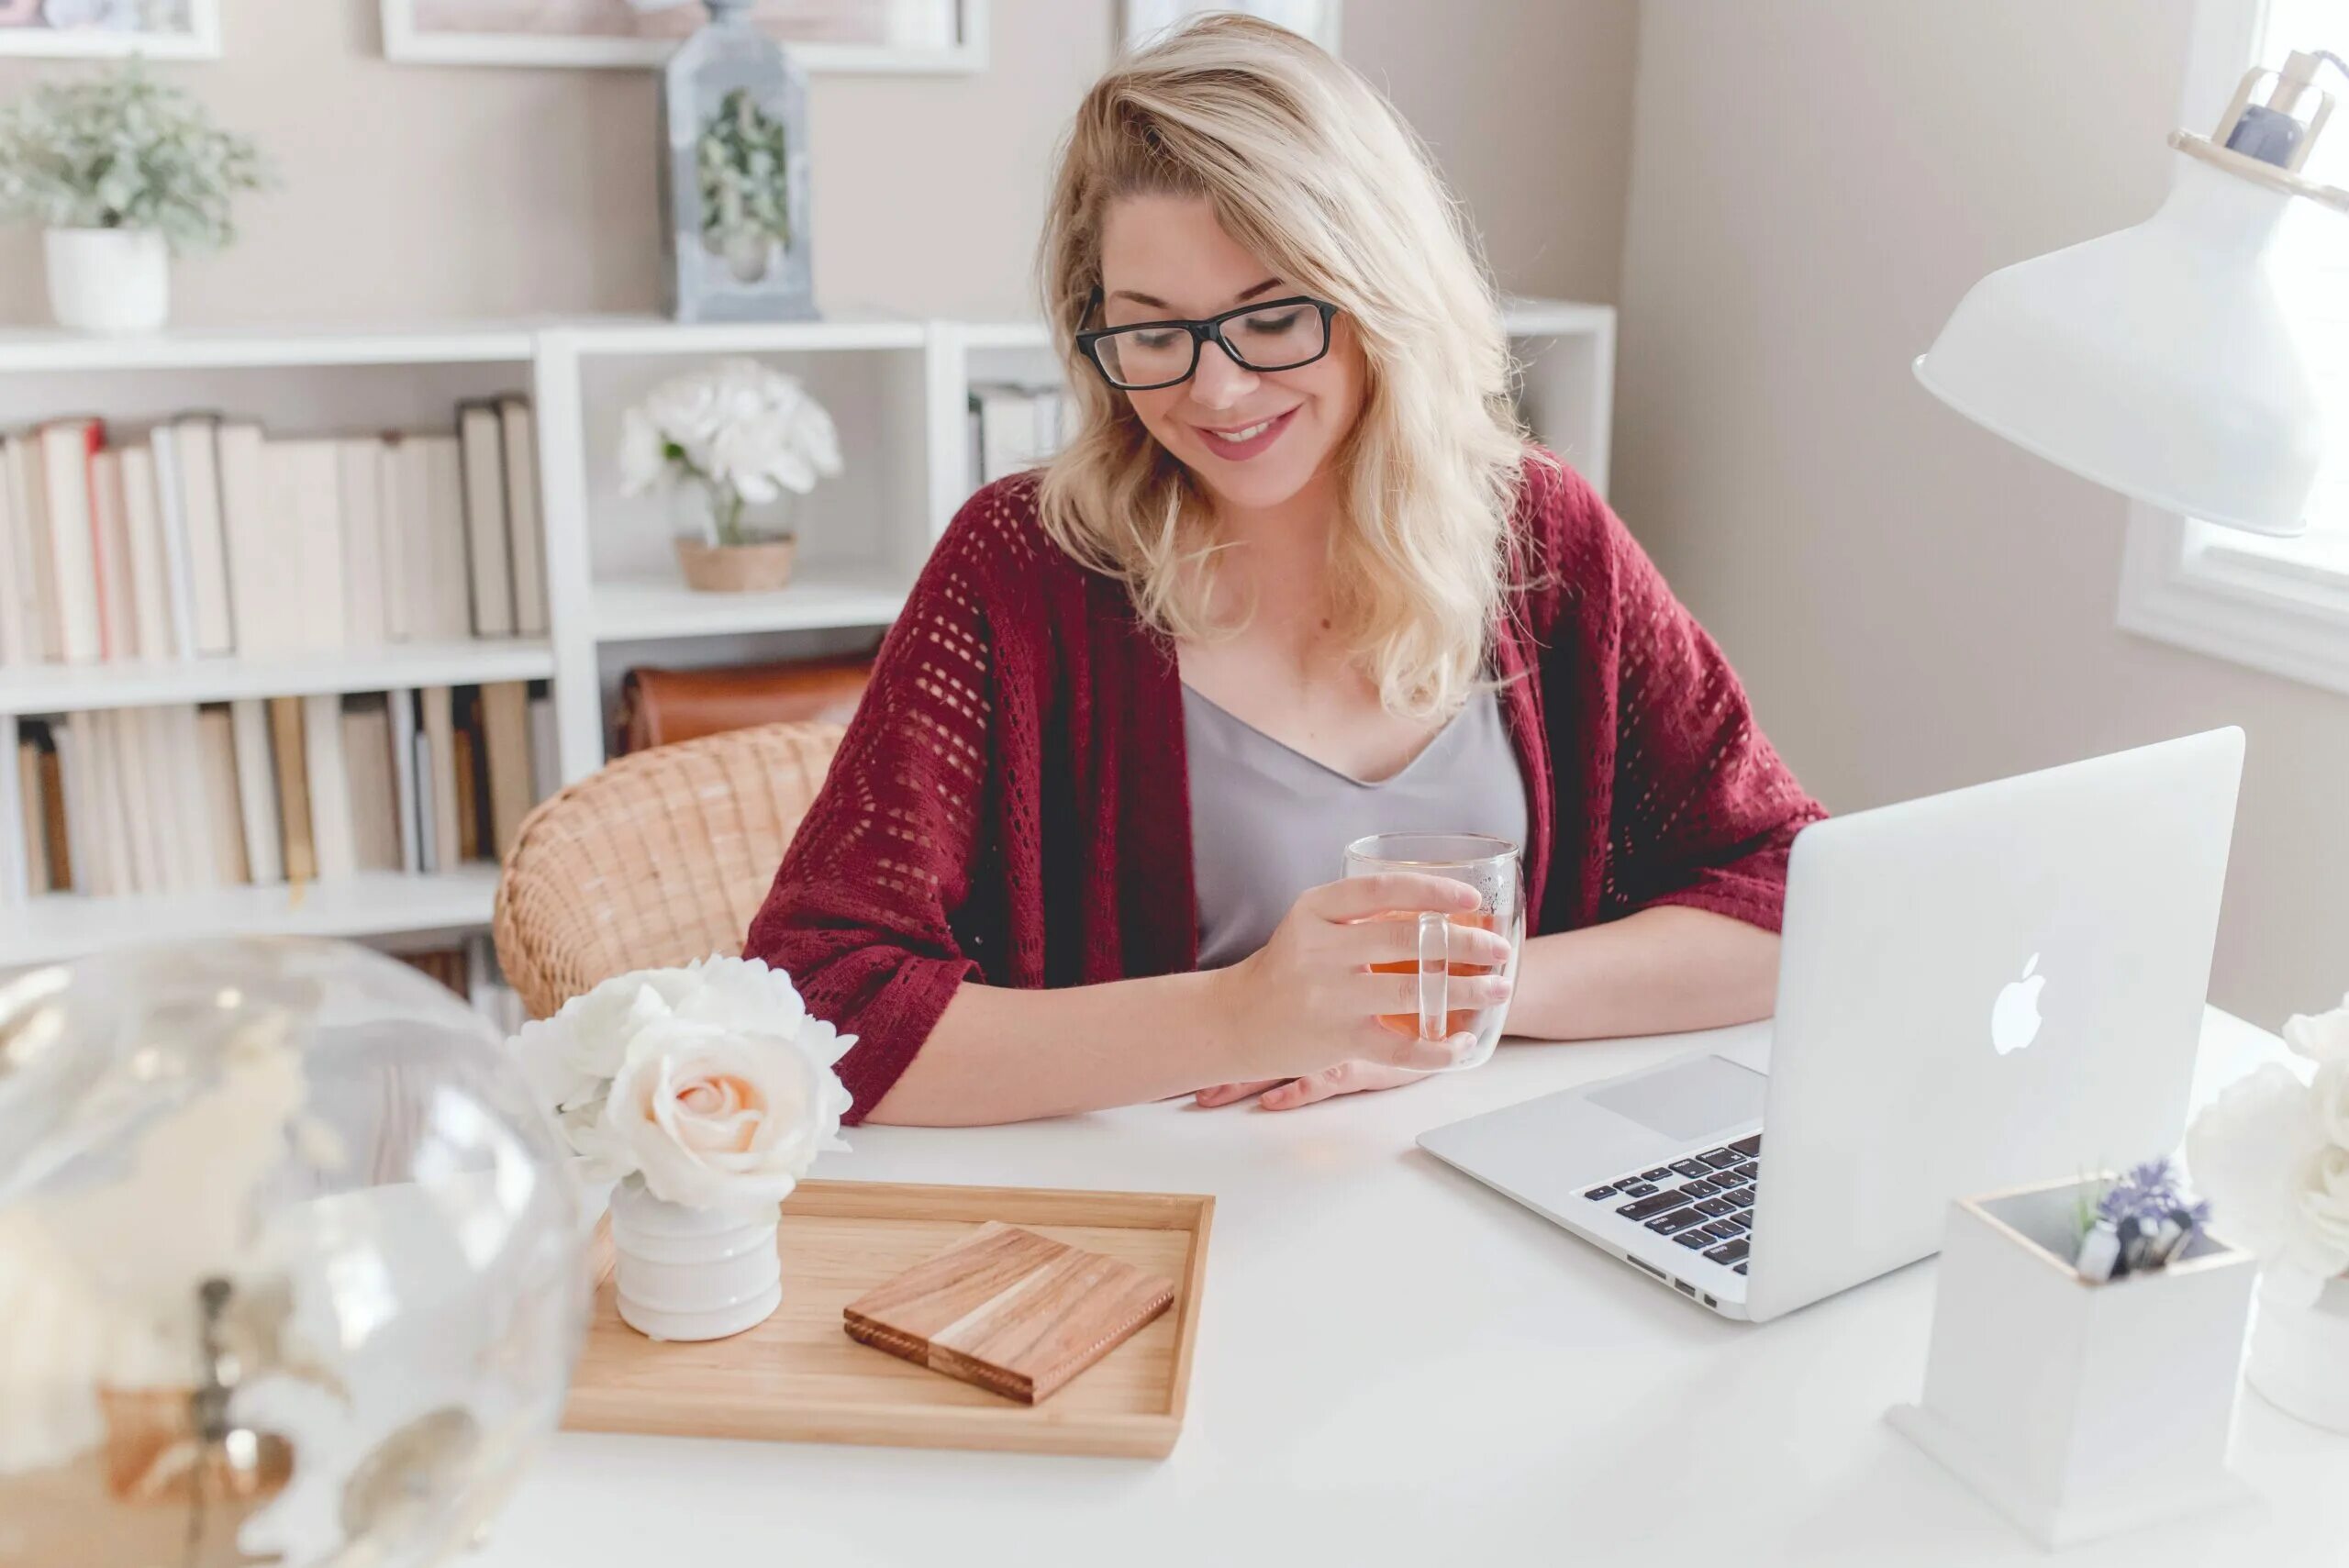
point(872, 36)
point(91, 30)
point(1317, 20)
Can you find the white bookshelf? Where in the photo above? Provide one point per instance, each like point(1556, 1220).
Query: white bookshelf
point(70, 688)
point(897, 388)
point(372, 904)
point(649, 609)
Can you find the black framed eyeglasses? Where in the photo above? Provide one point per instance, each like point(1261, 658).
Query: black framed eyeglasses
point(1275, 334)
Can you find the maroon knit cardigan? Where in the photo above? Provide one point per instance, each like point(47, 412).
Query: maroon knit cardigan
point(1011, 804)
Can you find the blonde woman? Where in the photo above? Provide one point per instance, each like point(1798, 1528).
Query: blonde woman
point(1300, 572)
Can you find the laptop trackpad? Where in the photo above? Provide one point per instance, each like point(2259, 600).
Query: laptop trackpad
point(1690, 1100)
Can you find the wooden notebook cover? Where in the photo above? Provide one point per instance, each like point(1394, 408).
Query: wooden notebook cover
point(1013, 1312)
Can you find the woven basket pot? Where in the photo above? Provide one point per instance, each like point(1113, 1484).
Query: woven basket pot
point(760, 568)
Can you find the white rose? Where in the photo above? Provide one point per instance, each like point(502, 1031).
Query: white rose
point(2277, 1184)
point(746, 455)
point(2322, 1036)
point(572, 1058)
point(643, 455)
point(810, 434)
point(2330, 1090)
point(687, 409)
point(716, 1116)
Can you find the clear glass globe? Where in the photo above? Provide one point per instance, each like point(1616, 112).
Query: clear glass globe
point(290, 1267)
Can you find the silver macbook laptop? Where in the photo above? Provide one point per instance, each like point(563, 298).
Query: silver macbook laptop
point(1978, 990)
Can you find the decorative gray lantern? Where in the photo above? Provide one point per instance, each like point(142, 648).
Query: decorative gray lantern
point(735, 178)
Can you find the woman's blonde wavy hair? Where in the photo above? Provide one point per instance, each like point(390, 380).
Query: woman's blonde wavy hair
point(1311, 170)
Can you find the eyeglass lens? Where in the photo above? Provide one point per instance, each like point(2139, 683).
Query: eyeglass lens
point(1276, 338)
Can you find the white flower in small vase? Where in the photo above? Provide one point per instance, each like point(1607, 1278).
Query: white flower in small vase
point(708, 1092)
point(726, 442)
point(2272, 1153)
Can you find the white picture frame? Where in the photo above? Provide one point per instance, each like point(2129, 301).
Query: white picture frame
point(200, 40)
point(409, 40)
point(1142, 20)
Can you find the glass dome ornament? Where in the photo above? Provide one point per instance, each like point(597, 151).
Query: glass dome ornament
point(734, 175)
point(291, 1267)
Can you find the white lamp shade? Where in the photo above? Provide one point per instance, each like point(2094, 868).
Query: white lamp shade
point(2158, 362)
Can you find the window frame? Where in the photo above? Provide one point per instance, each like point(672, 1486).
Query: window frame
point(2211, 589)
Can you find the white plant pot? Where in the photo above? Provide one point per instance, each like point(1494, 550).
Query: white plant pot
point(2300, 1354)
point(2079, 1410)
point(109, 280)
point(693, 1273)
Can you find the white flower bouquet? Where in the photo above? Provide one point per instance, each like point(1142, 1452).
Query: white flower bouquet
point(2271, 1153)
point(746, 433)
point(712, 1083)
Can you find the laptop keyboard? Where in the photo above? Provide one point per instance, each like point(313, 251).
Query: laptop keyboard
point(1705, 1202)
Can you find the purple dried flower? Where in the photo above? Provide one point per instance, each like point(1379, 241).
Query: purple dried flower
point(2149, 1193)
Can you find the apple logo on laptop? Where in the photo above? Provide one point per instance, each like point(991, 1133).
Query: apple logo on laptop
point(2014, 1020)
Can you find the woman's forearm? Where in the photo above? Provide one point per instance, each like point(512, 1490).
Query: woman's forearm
point(999, 1055)
point(1658, 972)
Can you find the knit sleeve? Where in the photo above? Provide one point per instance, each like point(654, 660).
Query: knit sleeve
point(1704, 812)
point(863, 914)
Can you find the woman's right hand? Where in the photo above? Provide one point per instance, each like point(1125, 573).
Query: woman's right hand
point(1308, 999)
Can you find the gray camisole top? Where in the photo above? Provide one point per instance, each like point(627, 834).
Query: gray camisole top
point(1268, 822)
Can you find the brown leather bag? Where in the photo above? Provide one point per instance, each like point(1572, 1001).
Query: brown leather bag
point(661, 707)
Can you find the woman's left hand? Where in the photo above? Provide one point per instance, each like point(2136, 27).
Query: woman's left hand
point(1287, 1093)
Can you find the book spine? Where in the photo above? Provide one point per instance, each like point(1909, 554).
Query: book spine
point(19, 612)
point(22, 875)
point(127, 783)
point(406, 796)
point(285, 725)
point(31, 499)
point(198, 857)
point(196, 449)
point(363, 543)
point(523, 519)
point(255, 573)
point(150, 578)
point(110, 544)
point(257, 789)
point(54, 826)
point(66, 450)
point(171, 502)
point(329, 773)
point(77, 761)
point(440, 748)
point(486, 521)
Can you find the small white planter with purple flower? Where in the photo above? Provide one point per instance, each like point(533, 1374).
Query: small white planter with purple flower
point(2080, 1409)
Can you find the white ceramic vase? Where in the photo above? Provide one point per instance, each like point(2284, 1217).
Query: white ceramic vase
point(693, 1273)
point(108, 280)
point(2300, 1354)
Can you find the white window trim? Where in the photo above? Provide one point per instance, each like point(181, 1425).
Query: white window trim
point(2203, 587)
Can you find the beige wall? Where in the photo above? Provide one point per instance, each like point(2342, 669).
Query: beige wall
point(416, 193)
point(1915, 604)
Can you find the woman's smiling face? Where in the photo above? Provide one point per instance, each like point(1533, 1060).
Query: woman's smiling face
point(1254, 438)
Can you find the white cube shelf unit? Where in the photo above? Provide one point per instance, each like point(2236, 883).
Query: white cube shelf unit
point(897, 387)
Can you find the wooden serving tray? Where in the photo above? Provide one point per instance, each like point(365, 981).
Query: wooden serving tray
point(800, 1377)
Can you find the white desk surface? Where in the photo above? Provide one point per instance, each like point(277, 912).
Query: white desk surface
point(1396, 1365)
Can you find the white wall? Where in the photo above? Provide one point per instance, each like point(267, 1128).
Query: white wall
point(419, 193)
point(1915, 604)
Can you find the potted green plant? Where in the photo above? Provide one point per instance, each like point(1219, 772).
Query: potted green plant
point(122, 171)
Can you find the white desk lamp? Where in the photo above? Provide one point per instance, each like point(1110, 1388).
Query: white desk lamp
point(2159, 362)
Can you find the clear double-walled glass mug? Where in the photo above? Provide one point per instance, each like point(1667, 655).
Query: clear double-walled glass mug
point(1486, 863)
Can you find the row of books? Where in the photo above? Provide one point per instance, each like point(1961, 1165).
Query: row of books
point(267, 790)
point(470, 969)
point(1015, 426)
point(204, 538)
